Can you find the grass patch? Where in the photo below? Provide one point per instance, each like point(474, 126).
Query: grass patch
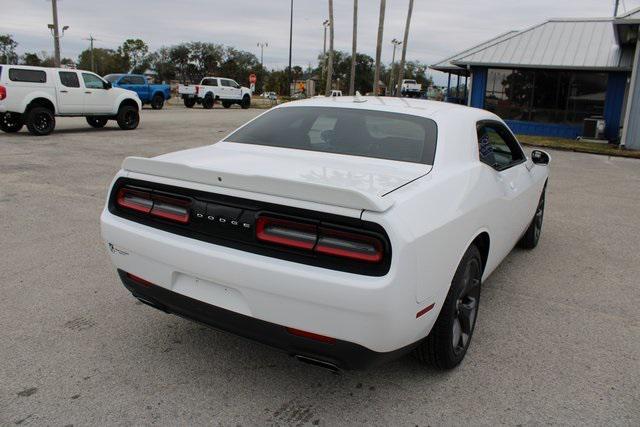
point(577, 146)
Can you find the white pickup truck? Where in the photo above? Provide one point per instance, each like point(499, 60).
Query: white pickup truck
point(410, 88)
point(215, 89)
point(36, 95)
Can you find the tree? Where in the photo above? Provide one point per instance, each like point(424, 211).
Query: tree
point(354, 43)
point(179, 57)
point(8, 49)
point(31, 59)
point(107, 61)
point(136, 51)
point(160, 62)
point(376, 75)
point(330, 65)
point(404, 48)
point(207, 58)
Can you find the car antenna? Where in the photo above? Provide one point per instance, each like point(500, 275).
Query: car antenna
point(358, 97)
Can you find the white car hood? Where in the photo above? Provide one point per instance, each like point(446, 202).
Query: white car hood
point(338, 180)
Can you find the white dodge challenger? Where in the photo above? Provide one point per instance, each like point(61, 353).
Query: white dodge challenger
point(345, 231)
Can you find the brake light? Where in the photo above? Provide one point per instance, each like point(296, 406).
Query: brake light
point(155, 205)
point(3, 92)
point(321, 240)
point(197, 90)
point(349, 245)
point(139, 280)
point(311, 335)
point(286, 233)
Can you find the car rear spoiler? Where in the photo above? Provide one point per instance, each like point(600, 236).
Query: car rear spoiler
point(311, 192)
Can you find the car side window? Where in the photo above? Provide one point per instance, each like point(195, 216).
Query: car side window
point(233, 83)
point(136, 80)
point(497, 147)
point(125, 80)
point(225, 83)
point(26, 75)
point(69, 78)
point(91, 81)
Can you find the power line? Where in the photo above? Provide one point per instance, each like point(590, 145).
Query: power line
point(91, 40)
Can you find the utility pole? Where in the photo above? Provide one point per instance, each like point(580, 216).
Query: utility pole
point(325, 24)
point(262, 45)
point(615, 9)
point(395, 43)
point(56, 32)
point(91, 40)
point(330, 66)
point(376, 76)
point(290, 47)
point(404, 48)
point(354, 45)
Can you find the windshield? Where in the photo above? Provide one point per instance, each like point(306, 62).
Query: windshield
point(411, 82)
point(366, 133)
point(112, 77)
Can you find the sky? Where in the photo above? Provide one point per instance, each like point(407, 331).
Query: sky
point(439, 28)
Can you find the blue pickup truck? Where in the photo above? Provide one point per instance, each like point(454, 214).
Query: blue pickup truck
point(154, 94)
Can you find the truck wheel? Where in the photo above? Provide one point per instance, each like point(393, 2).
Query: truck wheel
point(450, 336)
point(128, 117)
point(40, 121)
point(207, 102)
point(226, 104)
point(157, 102)
point(189, 102)
point(246, 102)
point(97, 122)
point(11, 122)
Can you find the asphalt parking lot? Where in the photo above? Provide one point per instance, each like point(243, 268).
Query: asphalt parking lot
point(558, 338)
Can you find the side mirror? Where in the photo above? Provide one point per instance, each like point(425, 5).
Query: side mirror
point(107, 85)
point(540, 157)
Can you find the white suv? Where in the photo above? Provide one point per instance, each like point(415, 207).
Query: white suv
point(35, 95)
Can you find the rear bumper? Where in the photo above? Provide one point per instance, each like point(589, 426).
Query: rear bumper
point(340, 354)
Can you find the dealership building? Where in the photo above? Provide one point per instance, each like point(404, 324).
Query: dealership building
point(564, 77)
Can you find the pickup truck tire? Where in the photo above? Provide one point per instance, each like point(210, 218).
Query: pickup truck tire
point(128, 117)
point(97, 122)
point(40, 121)
point(226, 104)
point(157, 102)
point(11, 122)
point(207, 102)
point(189, 102)
point(246, 102)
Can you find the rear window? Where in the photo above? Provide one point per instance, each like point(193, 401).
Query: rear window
point(25, 75)
point(365, 133)
point(69, 78)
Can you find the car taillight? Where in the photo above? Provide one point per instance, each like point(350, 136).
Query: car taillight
point(197, 90)
point(156, 205)
point(3, 92)
point(321, 240)
point(349, 245)
point(287, 233)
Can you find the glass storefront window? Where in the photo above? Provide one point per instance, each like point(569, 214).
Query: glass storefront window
point(545, 96)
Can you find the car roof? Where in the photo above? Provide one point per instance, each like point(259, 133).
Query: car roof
point(33, 67)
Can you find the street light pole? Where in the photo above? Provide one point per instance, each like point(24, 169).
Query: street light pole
point(404, 48)
point(328, 87)
point(56, 34)
point(290, 46)
point(325, 24)
point(354, 43)
point(376, 76)
point(395, 43)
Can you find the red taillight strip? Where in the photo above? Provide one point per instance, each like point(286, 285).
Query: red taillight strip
point(3, 92)
point(139, 280)
point(159, 206)
point(286, 233)
point(136, 200)
point(425, 310)
point(349, 245)
point(311, 335)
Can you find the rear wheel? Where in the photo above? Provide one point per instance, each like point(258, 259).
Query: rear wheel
point(128, 117)
point(11, 122)
point(448, 341)
point(40, 121)
point(207, 102)
point(246, 102)
point(189, 102)
point(226, 104)
point(531, 237)
point(157, 102)
point(97, 122)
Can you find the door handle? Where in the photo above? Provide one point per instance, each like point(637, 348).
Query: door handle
point(64, 91)
point(88, 91)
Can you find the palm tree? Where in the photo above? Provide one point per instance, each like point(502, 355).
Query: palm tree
point(404, 49)
point(330, 65)
point(376, 76)
point(352, 78)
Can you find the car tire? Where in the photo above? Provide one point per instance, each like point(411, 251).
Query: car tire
point(531, 237)
point(189, 102)
point(157, 102)
point(97, 122)
point(128, 117)
point(11, 122)
point(246, 102)
point(207, 102)
point(40, 121)
point(226, 104)
point(449, 339)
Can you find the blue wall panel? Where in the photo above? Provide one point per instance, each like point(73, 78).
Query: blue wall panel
point(544, 129)
point(478, 86)
point(616, 84)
